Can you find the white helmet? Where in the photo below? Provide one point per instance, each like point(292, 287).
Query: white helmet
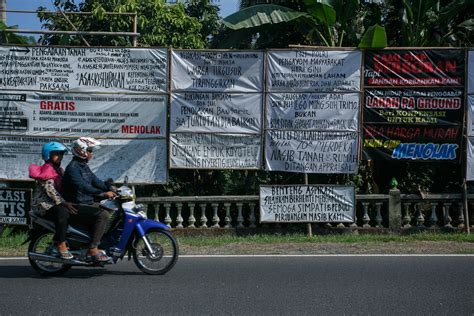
point(80, 146)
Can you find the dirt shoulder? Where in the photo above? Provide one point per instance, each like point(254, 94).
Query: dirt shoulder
point(414, 247)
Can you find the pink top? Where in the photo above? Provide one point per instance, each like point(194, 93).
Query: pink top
point(48, 171)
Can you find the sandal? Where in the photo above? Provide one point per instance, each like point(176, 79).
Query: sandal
point(66, 255)
point(99, 257)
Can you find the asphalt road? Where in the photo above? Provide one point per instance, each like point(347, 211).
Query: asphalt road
point(330, 285)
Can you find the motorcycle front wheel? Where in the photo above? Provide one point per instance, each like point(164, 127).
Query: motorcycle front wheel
point(164, 255)
point(43, 244)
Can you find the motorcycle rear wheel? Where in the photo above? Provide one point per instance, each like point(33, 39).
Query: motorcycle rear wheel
point(43, 244)
point(164, 256)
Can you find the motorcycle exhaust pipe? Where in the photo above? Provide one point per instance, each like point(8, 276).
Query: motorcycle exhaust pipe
point(48, 258)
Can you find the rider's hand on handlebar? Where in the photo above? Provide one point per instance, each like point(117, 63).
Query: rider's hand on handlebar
point(70, 207)
point(109, 194)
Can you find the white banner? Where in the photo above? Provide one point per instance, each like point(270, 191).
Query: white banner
point(311, 151)
point(307, 203)
point(329, 111)
point(142, 161)
point(217, 71)
point(470, 72)
point(313, 71)
point(215, 151)
point(470, 159)
point(77, 69)
point(470, 115)
point(54, 114)
point(216, 112)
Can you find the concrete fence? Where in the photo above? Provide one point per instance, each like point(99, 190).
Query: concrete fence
point(374, 212)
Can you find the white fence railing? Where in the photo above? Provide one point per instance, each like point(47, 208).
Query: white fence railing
point(394, 210)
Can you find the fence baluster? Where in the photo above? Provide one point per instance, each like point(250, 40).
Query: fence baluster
point(156, 207)
point(179, 217)
point(420, 219)
point(434, 218)
point(407, 217)
point(240, 218)
point(215, 218)
point(203, 215)
point(447, 218)
point(378, 217)
point(167, 217)
point(365, 217)
point(191, 219)
point(252, 218)
point(227, 219)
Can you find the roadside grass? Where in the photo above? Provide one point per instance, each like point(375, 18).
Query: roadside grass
point(205, 241)
point(10, 242)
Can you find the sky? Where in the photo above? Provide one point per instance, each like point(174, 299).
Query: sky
point(31, 22)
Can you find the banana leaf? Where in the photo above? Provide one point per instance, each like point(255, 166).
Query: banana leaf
point(374, 37)
point(259, 15)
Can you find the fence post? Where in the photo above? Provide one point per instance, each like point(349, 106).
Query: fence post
point(394, 209)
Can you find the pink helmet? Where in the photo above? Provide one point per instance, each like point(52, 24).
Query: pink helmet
point(80, 146)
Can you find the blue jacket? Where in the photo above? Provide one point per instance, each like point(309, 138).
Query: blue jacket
point(80, 184)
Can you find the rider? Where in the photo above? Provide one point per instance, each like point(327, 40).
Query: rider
point(81, 186)
point(47, 201)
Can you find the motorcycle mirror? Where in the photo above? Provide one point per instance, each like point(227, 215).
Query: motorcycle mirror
point(125, 180)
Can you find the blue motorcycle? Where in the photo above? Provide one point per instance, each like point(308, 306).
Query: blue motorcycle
point(149, 242)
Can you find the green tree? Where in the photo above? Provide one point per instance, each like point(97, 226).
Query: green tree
point(309, 22)
point(12, 38)
point(424, 23)
point(159, 24)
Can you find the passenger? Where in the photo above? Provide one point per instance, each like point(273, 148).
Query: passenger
point(81, 186)
point(47, 200)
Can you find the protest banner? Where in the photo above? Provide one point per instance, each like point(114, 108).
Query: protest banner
point(310, 111)
point(142, 161)
point(216, 112)
point(216, 109)
point(470, 118)
point(14, 206)
point(414, 67)
point(307, 203)
point(416, 122)
point(95, 115)
point(311, 151)
point(313, 71)
point(215, 151)
point(80, 69)
point(216, 71)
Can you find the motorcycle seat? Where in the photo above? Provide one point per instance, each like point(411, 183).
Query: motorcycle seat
point(49, 224)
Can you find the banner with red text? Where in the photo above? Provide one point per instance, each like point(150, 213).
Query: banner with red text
point(411, 142)
point(414, 67)
point(75, 115)
point(414, 106)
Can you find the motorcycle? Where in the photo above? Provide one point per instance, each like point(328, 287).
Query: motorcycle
point(149, 242)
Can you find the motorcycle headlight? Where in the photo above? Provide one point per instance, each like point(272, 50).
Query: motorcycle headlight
point(142, 214)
